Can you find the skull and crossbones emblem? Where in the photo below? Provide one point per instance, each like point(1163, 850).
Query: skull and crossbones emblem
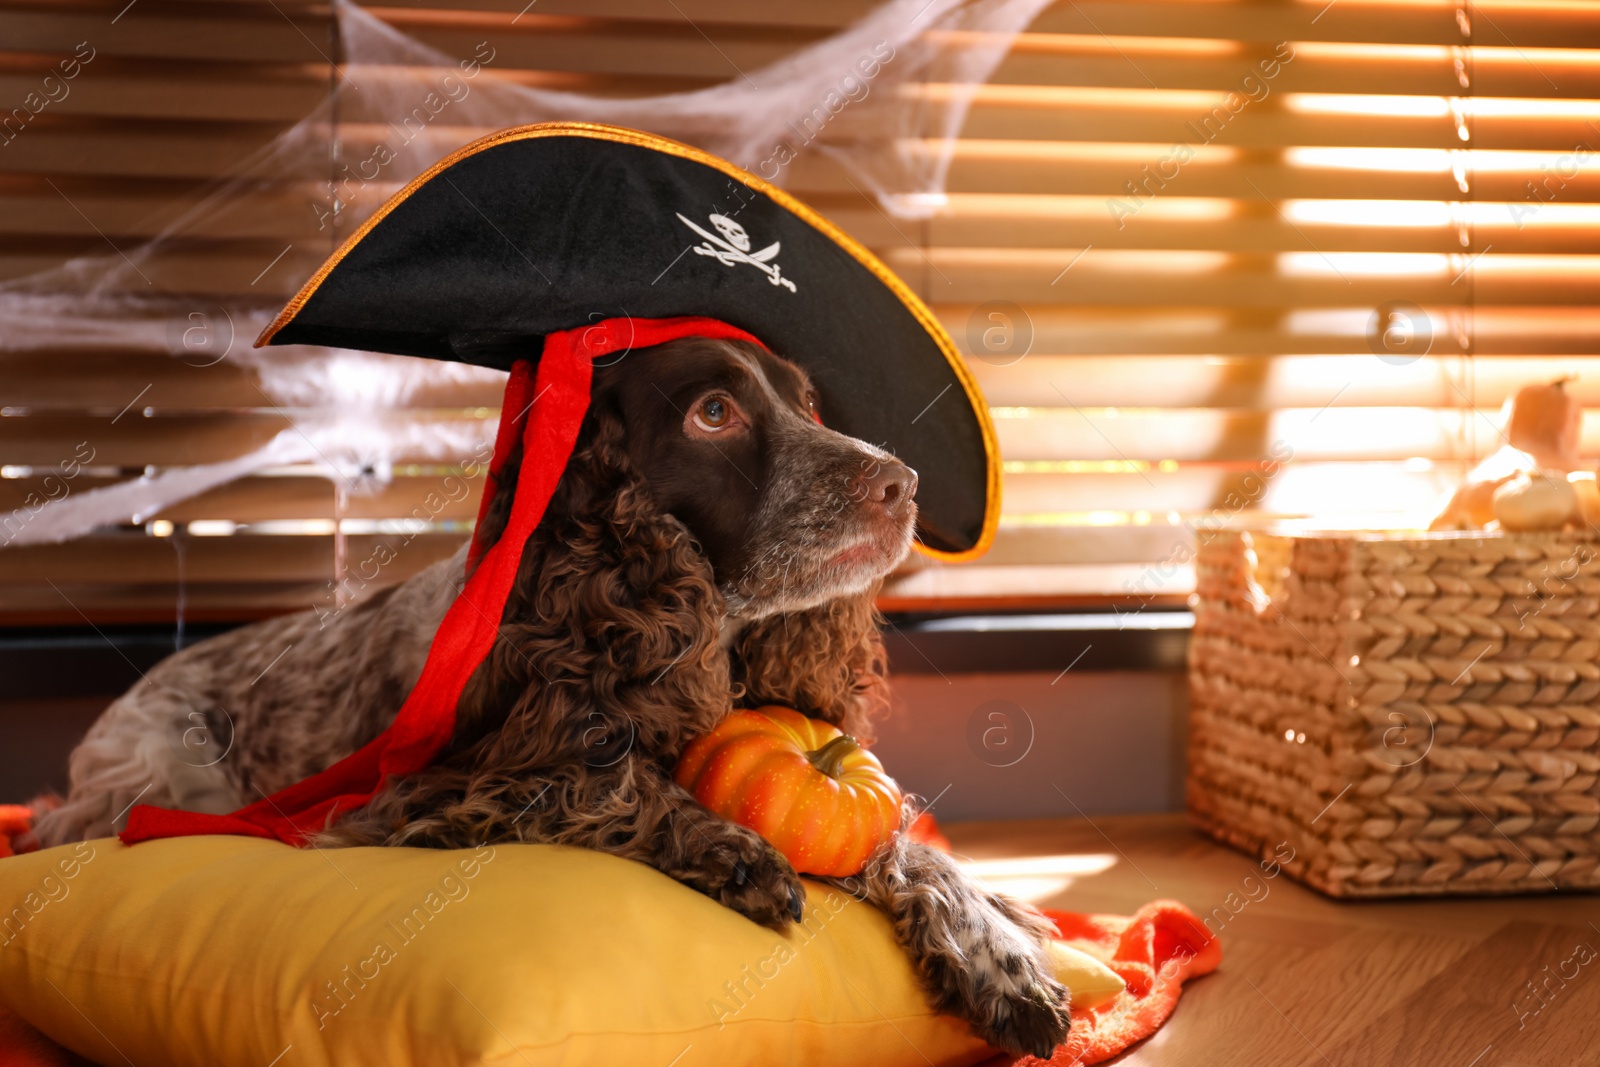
point(730, 246)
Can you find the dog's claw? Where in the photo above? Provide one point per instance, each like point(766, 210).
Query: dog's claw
point(797, 903)
point(744, 872)
point(1044, 1045)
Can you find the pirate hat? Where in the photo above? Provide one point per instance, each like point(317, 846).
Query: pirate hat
point(542, 249)
point(539, 229)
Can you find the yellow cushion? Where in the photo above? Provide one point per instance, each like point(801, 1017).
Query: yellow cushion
point(222, 950)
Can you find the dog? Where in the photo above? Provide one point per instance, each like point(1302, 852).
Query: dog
point(711, 545)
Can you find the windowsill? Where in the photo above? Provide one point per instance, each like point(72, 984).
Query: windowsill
point(1001, 583)
point(1125, 639)
point(48, 662)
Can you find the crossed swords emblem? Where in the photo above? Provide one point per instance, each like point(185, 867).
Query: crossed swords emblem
point(733, 248)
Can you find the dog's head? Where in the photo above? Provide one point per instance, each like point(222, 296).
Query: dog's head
point(702, 488)
point(729, 440)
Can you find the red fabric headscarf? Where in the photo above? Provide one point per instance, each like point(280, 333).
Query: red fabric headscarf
point(547, 413)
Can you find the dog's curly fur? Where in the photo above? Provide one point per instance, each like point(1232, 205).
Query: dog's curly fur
point(616, 647)
point(568, 731)
point(828, 662)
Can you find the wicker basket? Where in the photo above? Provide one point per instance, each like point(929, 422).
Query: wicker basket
point(1415, 714)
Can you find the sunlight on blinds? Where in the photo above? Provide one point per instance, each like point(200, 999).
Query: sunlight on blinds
point(1241, 263)
point(1211, 262)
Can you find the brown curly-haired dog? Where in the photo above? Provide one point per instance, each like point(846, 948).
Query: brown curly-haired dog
point(711, 546)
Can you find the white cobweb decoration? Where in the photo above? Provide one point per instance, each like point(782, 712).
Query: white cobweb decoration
point(885, 98)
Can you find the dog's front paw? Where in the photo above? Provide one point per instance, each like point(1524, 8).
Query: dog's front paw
point(1033, 1019)
point(1003, 987)
point(743, 872)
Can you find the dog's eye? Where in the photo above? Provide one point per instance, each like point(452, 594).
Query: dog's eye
point(816, 416)
point(713, 414)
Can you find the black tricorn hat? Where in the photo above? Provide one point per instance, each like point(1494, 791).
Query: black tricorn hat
point(540, 229)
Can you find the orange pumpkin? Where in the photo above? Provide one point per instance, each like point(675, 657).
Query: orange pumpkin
point(1546, 422)
point(820, 798)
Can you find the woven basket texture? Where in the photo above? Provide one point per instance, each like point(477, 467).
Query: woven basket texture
point(1411, 715)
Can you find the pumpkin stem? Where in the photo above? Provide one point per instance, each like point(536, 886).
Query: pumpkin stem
point(829, 759)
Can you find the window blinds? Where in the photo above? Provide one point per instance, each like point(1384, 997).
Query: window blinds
point(1209, 260)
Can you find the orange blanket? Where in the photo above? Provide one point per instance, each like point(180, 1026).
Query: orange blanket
point(14, 820)
point(1155, 951)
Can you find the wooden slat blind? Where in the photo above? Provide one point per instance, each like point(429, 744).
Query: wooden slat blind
point(1196, 276)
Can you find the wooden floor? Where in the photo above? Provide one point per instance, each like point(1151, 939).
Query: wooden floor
point(1306, 980)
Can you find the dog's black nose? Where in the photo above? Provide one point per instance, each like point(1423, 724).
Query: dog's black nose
point(888, 483)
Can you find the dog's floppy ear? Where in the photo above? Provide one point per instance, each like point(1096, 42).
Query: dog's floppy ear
point(604, 559)
point(827, 662)
point(602, 418)
point(492, 522)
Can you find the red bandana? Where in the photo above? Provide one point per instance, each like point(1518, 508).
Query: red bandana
point(558, 400)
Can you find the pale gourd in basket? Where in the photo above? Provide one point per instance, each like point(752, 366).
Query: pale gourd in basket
point(1534, 481)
